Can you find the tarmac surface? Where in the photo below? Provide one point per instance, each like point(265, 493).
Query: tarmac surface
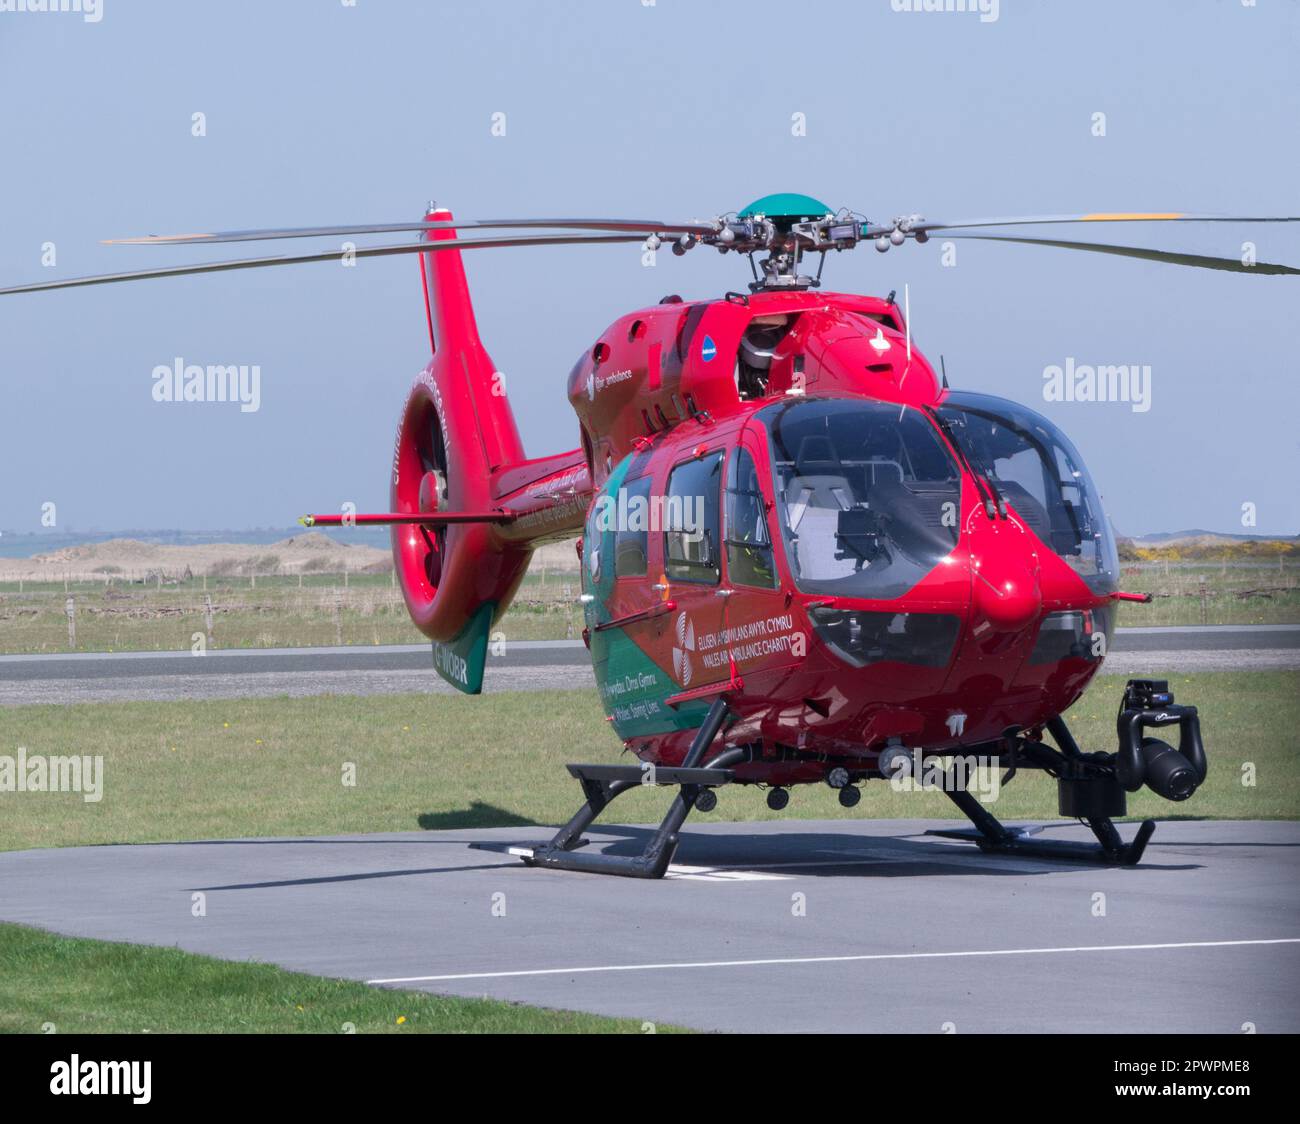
point(525, 665)
point(776, 926)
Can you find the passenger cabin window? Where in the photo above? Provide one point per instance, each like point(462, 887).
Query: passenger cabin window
point(749, 546)
point(691, 520)
point(631, 535)
point(592, 561)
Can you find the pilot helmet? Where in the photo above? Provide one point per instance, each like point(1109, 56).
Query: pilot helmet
point(761, 338)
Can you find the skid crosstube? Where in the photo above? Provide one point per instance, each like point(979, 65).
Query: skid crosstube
point(602, 783)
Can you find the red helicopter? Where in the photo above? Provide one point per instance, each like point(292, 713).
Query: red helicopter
point(805, 558)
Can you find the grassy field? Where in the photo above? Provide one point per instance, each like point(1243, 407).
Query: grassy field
point(219, 769)
point(83, 986)
point(1212, 592)
point(262, 612)
point(320, 609)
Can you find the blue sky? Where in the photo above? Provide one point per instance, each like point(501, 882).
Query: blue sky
point(321, 112)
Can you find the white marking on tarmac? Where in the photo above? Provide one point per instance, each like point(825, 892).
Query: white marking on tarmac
point(832, 959)
point(696, 873)
point(725, 873)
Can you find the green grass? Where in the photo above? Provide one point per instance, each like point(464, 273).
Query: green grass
point(1210, 592)
point(221, 769)
point(85, 986)
point(270, 612)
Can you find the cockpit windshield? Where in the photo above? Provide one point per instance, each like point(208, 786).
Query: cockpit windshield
point(867, 494)
point(1036, 470)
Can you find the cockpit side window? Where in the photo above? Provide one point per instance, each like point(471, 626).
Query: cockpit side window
point(691, 520)
point(1042, 478)
point(749, 546)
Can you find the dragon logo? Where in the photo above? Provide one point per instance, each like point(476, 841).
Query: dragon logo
point(685, 645)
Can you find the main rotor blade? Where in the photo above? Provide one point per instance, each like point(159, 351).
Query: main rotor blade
point(330, 255)
point(1104, 216)
point(645, 227)
point(1232, 265)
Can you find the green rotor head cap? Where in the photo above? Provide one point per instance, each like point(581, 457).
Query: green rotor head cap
point(787, 205)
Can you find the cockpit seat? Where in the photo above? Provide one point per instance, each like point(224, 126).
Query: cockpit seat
point(1032, 513)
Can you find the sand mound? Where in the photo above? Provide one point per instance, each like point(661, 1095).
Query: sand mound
point(312, 552)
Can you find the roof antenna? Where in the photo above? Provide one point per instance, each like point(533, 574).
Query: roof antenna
point(907, 325)
point(907, 321)
point(943, 367)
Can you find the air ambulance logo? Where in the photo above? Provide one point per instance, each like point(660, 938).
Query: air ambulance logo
point(682, 650)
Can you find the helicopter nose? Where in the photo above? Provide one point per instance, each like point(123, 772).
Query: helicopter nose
point(1007, 595)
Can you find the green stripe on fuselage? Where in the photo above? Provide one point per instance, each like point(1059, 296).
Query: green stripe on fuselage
point(633, 688)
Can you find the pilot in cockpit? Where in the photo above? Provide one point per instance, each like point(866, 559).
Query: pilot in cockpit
point(762, 336)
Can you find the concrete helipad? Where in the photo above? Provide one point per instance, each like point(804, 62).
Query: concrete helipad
point(789, 926)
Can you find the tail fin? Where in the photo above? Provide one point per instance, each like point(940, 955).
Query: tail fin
point(458, 450)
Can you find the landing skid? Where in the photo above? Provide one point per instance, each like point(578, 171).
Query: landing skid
point(1091, 787)
point(994, 837)
point(602, 783)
